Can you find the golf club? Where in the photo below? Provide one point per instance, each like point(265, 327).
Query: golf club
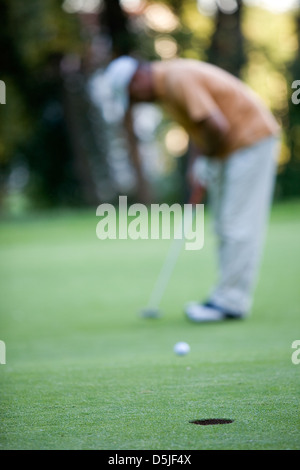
point(152, 309)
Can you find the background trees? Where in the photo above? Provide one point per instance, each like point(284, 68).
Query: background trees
point(58, 148)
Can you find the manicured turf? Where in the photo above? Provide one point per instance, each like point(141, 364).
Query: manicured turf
point(84, 371)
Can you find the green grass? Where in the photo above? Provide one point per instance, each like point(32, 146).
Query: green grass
point(84, 371)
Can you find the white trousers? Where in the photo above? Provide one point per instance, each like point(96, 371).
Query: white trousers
point(240, 193)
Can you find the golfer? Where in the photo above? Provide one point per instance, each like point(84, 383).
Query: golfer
point(236, 139)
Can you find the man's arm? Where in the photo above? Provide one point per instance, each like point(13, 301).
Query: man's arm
point(213, 130)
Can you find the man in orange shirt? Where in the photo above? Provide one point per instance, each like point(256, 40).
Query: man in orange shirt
point(236, 137)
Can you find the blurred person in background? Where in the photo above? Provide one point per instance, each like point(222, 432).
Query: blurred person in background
point(235, 143)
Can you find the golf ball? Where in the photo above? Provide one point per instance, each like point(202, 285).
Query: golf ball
point(181, 348)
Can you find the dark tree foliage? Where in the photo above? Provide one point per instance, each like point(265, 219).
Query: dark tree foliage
point(47, 120)
point(34, 39)
point(116, 21)
point(289, 178)
point(227, 44)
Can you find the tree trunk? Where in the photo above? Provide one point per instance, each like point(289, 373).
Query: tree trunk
point(227, 45)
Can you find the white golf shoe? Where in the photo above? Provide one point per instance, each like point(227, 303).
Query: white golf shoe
point(208, 312)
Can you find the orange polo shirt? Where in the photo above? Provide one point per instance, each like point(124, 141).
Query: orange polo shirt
point(192, 91)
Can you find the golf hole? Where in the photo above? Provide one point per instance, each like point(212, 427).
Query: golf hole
point(210, 422)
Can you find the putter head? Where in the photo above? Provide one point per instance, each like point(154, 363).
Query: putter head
point(150, 313)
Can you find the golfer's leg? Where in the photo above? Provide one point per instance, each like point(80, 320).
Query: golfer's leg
point(210, 173)
point(212, 176)
point(241, 220)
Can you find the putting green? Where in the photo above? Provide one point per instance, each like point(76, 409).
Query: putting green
point(84, 371)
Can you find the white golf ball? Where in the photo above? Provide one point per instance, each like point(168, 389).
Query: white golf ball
point(181, 348)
